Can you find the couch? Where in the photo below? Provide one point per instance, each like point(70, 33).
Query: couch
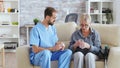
point(110, 35)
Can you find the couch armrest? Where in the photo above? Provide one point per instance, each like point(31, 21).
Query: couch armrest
point(114, 57)
point(22, 54)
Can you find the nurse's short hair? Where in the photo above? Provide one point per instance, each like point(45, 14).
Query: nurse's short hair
point(48, 11)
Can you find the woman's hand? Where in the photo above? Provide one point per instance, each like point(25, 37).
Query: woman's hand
point(87, 45)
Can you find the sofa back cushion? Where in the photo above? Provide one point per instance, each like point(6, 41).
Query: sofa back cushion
point(110, 34)
point(65, 30)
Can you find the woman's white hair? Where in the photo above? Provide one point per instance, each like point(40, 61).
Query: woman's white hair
point(85, 17)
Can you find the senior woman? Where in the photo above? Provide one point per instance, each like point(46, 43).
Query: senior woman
point(85, 44)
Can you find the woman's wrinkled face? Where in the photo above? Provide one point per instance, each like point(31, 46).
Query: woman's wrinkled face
point(84, 26)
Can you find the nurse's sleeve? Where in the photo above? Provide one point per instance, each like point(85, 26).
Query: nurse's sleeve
point(34, 37)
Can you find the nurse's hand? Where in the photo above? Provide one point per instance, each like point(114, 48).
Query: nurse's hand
point(57, 46)
point(63, 46)
point(35, 49)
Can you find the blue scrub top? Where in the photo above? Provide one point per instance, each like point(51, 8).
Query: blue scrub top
point(42, 37)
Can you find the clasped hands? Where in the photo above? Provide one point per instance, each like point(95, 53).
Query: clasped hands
point(59, 46)
point(81, 44)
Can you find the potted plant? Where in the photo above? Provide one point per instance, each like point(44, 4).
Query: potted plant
point(35, 21)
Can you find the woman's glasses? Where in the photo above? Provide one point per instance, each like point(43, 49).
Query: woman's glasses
point(84, 25)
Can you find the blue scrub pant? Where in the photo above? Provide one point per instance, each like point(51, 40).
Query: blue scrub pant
point(44, 58)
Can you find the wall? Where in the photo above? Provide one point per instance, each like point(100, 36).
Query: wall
point(30, 9)
point(116, 7)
